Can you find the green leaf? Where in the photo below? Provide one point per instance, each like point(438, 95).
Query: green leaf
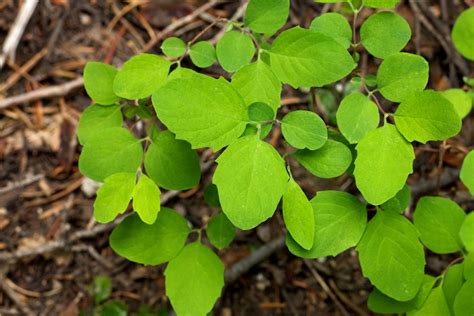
point(334, 25)
point(439, 220)
point(257, 83)
point(467, 171)
point(335, 214)
point(234, 50)
point(111, 151)
point(251, 178)
point(391, 256)
point(435, 304)
point(194, 280)
point(469, 266)
point(220, 231)
point(384, 34)
point(150, 244)
point(260, 112)
point(173, 47)
point(304, 129)
point(304, 58)
point(401, 74)
point(211, 195)
point(267, 16)
point(356, 116)
point(171, 163)
point(140, 76)
point(113, 197)
point(329, 161)
point(384, 161)
point(460, 99)
point(463, 33)
point(101, 288)
point(463, 303)
point(389, 4)
point(146, 199)
point(205, 112)
point(399, 202)
point(466, 232)
point(298, 215)
point(452, 283)
point(426, 116)
point(114, 308)
point(203, 54)
point(98, 82)
point(382, 304)
point(95, 119)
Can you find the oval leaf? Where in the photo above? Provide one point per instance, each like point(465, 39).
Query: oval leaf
point(234, 50)
point(467, 171)
point(99, 82)
point(203, 54)
point(334, 25)
point(220, 231)
point(266, 16)
point(95, 119)
point(146, 199)
point(463, 33)
point(304, 129)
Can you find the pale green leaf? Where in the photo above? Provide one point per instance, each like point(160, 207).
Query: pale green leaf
point(194, 280)
point(467, 171)
point(171, 163)
point(334, 25)
point(234, 50)
point(95, 119)
point(356, 116)
point(114, 196)
point(463, 303)
point(329, 161)
point(140, 76)
point(452, 282)
point(304, 58)
point(335, 214)
point(435, 305)
point(466, 232)
point(399, 202)
point(220, 231)
point(463, 33)
point(173, 47)
point(150, 244)
point(401, 74)
point(146, 199)
point(203, 54)
point(391, 256)
point(460, 99)
point(251, 178)
point(384, 161)
point(111, 151)
point(304, 129)
point(99, 81)
point(266, 16)
point(204, 111)
point(389, 4)
point(298, 215)
point(427, 116)
point(384, 34)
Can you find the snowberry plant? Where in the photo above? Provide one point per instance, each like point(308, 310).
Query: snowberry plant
point(172, 112)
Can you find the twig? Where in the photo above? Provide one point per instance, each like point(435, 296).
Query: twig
point(13, 296)
point(18, 184)
point(346, 300)
point(424, 186)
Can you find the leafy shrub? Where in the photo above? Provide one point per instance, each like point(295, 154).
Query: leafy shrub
point(252, 177)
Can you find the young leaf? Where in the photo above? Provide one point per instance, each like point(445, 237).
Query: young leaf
point(334, 25)
point(356, 116)
point(171, 163)
point(257, 83)
point(298, 215)
point(384, 34)
point(113, 197)
point(101, 288)
point(399, 202)
point(234, 50)
point(382, 304)
point(98, 82)
point(203, 54)
point(426, 116)
point(452, 282)
point(146, 199)
point(173, 47)
point(460, 99)
point(384, 161)
point(439, 220)
point(266, 16)
point(389, 4)
point(391, 256)
point(251, 178)
point(304, 129)
point(140, 76)
point(304, 58)
point(467, 171)
point(329, 161)
point(150, 244)
point(463, 33)
point(111, 151)
point(220, 231)
point(260, 112)
point(463, 303)
point(194, 280)
point(95, 119)
point(435, 304)
point(401, 74)
point(204, 111)
point(466, 232)
point(335, 214)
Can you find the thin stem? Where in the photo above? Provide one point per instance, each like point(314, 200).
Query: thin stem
point(354, 25)
point(198, 36)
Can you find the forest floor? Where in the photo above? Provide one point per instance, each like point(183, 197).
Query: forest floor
point(50, 247)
